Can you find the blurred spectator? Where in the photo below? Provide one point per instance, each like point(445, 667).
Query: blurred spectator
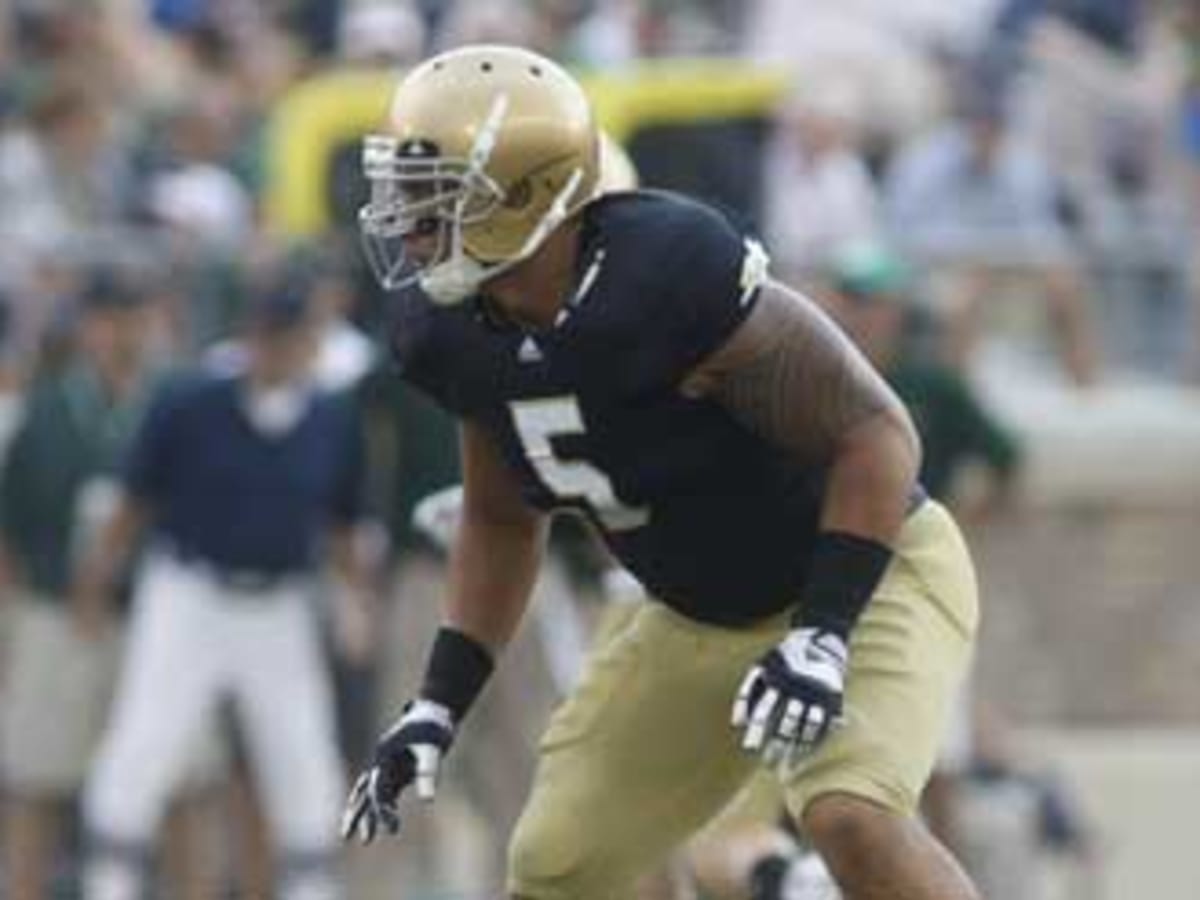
point(1084, 64)
point(343, 355)
point(381, 33)
point(216, 124)
point(977, 201)
point(1185, 24)
point(63, 178)
point(1114, 24)
point(56, 485)
point(607, 37)
point(178, 15)
point(1013, 817)
point(316, 23)
point(207, 127)
point(1138, 234)
point(203, 131)
point(872, 299)
point(342, 358)
point(12, 382)
point(53, 38)
point(244, 481)
point(817, 192)
point(237, 60)
point(490, 22)
point(681, 28)
point(202, 204)
point(203, 216)
point(770, 25)
point(874, 46)
point(201, 209)
point(974, 182)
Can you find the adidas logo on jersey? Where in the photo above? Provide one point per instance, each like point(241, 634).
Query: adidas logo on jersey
point(529, 351)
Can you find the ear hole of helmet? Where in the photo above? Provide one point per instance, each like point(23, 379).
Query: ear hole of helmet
point(518, 194)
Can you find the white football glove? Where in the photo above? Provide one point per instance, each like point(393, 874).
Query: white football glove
point(792, 697)
point(411, 751)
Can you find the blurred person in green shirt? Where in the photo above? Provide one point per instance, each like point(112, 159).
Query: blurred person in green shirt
point(56, 484)
point(873, 297)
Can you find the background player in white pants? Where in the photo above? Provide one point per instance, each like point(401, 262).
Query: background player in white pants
point(243, 478)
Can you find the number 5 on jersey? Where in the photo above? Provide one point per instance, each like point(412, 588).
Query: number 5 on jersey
point(537, 421)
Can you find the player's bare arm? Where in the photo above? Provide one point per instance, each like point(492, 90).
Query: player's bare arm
point(498, 549)
point(492, 570)
point(790, 374)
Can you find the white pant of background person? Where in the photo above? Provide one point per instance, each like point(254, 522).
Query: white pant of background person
point(193, 643)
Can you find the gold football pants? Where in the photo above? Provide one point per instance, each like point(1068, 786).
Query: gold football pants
point(642, 754)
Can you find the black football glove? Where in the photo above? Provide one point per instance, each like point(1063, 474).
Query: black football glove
point(411, 751)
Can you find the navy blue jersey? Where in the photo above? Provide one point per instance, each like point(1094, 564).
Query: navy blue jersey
point(713, 520)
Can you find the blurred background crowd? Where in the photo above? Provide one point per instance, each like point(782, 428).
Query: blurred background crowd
point(998, 199)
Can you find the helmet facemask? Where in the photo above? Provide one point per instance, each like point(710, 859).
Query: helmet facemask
point(418, 195)
point(415, 191)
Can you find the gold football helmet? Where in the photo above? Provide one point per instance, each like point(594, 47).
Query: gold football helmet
point(617, 171)
point(488, 149)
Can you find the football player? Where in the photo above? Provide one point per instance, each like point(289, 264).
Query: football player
point(627, 356)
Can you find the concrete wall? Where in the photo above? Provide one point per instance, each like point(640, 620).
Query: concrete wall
point(1141, 788)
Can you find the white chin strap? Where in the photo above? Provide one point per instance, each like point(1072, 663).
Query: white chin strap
point(454, 280)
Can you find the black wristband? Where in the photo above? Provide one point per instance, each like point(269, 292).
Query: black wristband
point(843, 572)
point(459, 666)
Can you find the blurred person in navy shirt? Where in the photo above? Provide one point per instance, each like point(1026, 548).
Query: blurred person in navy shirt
point(248, 481)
